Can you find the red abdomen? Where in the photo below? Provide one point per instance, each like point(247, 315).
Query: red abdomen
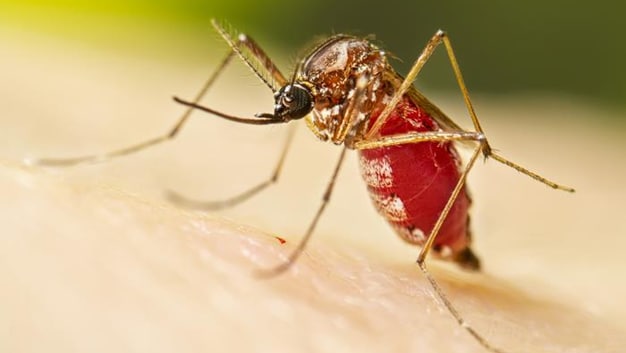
point(411, 183)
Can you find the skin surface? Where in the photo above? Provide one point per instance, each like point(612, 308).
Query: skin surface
point(93, 259)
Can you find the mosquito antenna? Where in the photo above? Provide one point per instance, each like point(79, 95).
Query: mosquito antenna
point(251, 59)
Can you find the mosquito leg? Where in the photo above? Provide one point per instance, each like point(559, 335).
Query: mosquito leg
point(444, 213)
point(431, 46)
point(407, 83)
point(439, 37)
point(428, 246)
point(252, 52)
point(486, 149)
point(446, 136)
point(419, 63)
point(417, 137)
point(457, 316)
point(243, 196)
point(300, 248)
point(97, 158)
point(531, 174)
point(351, 113)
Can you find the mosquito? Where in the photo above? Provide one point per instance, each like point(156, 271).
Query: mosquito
point(348, 94)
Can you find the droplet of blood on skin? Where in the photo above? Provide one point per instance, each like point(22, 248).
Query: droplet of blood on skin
point(280, 240)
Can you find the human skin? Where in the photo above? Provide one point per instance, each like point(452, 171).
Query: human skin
point(93, 258)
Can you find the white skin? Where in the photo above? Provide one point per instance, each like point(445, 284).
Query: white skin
point(93, 259)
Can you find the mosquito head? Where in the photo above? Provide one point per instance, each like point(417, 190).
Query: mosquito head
point(293, 101)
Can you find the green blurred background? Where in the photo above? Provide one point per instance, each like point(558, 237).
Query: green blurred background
point(575, 49)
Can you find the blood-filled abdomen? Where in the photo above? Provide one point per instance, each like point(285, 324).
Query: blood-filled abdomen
point(410, 184)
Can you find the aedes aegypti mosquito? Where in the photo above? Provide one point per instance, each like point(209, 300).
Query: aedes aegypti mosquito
point(349, 94)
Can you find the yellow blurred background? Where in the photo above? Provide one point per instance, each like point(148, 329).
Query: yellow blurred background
point(532, 46)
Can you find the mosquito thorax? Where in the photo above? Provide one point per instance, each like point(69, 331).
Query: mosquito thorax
point(293, 101)
point(333, 69)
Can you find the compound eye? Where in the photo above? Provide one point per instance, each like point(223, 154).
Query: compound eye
point(286, 100)
point(294, 102)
